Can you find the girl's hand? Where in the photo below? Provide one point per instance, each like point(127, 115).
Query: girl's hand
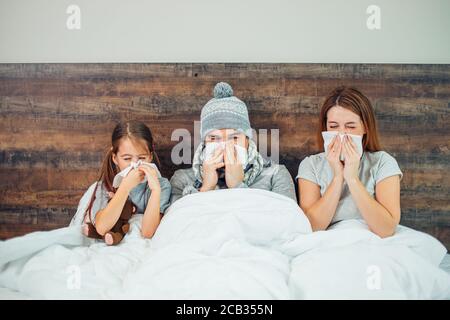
point(152, 177)
point(133, 178)
point(234, 173)
point(333, 157)
point(352, 159)
point(209, 174)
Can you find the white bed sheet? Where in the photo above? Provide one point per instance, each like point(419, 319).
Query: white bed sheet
point(227, 244)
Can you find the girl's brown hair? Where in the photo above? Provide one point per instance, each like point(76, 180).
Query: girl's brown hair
point(353, 100)
point(138, 133)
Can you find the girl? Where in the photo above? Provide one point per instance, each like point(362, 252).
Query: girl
point(363, 186)
point(130, 142)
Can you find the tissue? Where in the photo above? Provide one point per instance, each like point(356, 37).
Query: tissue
point(328, 136)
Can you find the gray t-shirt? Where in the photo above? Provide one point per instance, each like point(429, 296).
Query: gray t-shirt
point(102, 197)
point(373, 167)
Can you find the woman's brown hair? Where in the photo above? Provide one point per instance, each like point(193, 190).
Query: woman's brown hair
point(353, 100)
point(138, 133)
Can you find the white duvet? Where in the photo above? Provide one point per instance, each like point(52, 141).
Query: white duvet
point(226, 244)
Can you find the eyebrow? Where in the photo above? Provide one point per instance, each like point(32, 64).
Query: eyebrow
point(130, 155)
point(351, 122)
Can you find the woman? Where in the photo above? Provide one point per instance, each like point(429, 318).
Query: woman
point(363, 186)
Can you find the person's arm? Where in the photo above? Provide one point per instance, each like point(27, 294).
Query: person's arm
point(166, 189)
point(210, 176)
point(107, 217)
point(282, 183)
point(319, 209)
point(381, 214)
point(181, 185)
point(234, 173)
point(177, 185)
point(152, 215)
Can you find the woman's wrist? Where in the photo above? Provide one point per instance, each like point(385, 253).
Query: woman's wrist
point(351, 181)
point(338, 177)
point(156, 190)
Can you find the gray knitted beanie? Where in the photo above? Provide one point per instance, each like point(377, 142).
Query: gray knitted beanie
point(224, 111)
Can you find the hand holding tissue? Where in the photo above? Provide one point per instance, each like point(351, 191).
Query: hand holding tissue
point(328, 136)
point(211, 147)
point(134, 165)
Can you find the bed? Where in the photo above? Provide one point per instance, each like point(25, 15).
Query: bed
point(445, 264)
point(227, 244)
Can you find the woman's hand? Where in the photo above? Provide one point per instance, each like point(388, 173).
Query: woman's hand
point(234, 173)
point(133, 178)
point(352, 159)
point(152, 177)
point(209, 174)
point(333, 157)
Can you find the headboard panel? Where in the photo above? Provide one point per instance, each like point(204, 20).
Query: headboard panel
point(56, 121)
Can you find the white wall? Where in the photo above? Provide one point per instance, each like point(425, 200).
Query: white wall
point(412, 31)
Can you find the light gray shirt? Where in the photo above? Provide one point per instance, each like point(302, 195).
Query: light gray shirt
point(373, 167)
point(141, 197)
point(274, 178)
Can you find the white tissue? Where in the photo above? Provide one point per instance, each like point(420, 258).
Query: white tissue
point(122, 174)
point(328, 136)
point(241, 152)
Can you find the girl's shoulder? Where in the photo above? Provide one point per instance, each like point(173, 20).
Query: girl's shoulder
point(101, 196)
point(164, 183)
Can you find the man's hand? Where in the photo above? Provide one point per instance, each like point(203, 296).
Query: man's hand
point(209, 174)
point(234, 173)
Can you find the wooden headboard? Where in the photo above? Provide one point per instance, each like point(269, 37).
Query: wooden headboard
point(56, 120)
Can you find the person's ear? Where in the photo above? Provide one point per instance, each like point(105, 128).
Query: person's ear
point(364, 128)
point(151, 157)
point(114, 159)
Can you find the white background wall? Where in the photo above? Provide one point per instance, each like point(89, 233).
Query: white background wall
point(326, 31)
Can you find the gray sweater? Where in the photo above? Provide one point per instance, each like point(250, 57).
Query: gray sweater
point(274, 178)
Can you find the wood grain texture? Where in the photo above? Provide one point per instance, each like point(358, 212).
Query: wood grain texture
point(56, 121)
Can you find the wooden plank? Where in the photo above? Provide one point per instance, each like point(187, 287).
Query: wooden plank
point(203, 88)
point(213, 71)
point(56, 121)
